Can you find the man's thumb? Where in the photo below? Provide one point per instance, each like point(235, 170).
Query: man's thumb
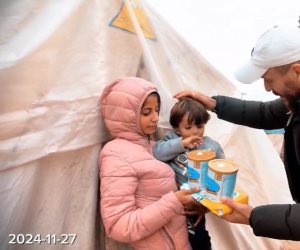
point(228, 201)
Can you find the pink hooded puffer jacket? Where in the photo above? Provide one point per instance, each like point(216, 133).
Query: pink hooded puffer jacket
point(138, 204)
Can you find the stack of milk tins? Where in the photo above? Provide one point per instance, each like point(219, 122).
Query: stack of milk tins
point(216, 178)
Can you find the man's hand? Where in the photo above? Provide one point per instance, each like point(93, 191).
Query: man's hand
point(192, 142)
point(207, 101)
point(241, 212)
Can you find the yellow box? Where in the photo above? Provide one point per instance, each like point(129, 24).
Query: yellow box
point(220, 209)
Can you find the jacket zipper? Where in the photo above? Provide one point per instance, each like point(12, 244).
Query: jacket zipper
point(169, 240)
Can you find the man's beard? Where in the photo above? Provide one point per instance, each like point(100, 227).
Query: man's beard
point(289, 102)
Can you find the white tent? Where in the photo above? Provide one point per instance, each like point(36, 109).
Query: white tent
point(55, 59)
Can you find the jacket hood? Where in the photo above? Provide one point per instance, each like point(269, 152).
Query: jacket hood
point(121, 103)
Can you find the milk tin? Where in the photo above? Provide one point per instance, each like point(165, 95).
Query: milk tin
point(198, 166)
point(221, 178)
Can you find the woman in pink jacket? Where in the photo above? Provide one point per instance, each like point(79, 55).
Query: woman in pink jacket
point(140, 203)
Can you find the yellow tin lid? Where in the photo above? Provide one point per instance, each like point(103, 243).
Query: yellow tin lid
point(223, 166)
point(201, 155)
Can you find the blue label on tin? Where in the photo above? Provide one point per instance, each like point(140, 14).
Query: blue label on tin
point(228, 185)
point(204, 169)
point(211, 185)
point(193, 174)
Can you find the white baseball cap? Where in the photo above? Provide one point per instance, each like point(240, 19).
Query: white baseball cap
point(278, 46)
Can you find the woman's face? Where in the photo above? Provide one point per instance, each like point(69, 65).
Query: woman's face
point(150, 114)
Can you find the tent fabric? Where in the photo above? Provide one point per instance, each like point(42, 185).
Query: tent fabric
point(55, 59)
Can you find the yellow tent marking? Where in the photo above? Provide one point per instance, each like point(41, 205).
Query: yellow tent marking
point(123, 20)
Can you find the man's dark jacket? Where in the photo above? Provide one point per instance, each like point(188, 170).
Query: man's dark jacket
point(274, 221)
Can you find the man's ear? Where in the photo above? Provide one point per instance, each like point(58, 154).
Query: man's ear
point(296, 68)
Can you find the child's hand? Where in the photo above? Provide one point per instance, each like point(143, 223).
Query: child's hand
point(184, 196)
point(192, 142)
point(196, 209)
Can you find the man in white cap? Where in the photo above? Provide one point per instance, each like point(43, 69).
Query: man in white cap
point(276, 59)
